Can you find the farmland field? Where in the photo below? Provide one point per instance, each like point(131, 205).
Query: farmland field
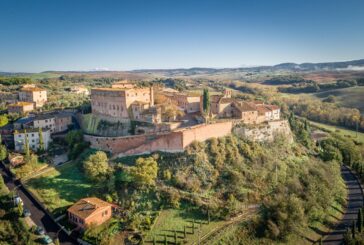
point(341, 131)
point(348, 97)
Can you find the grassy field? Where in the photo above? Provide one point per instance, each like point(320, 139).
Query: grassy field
point(347, 97)
point(175, 219)
point(60, 187)
point(342, 131)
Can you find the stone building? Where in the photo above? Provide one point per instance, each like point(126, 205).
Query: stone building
point(116, 102)
point(38, 96)
point(187, 102)
point(21, 107)
point(10, 98)
point(89, 211)
point(54, 122)
point(33, 139)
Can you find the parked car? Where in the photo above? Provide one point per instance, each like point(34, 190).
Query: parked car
point(47, 240)
point(26, 212)
point(39, 230)
point(17, 200)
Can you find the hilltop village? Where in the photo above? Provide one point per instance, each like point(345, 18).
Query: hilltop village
point(127, 119)
point(148, 119)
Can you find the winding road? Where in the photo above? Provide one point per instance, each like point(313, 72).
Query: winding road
point(39, 216)
point(354, 203)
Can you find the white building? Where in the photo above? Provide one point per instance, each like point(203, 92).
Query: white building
point(33, 139)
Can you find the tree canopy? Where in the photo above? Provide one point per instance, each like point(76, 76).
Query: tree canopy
point(145, 171)
point(96, 166)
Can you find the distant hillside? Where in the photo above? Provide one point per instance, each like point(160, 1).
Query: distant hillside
point(354, 65)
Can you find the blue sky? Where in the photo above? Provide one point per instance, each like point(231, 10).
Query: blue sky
point(41, 35)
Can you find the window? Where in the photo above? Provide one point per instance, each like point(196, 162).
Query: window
point(32, 135)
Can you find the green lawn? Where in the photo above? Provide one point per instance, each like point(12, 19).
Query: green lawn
point(175, 219)
point(59, 188)
point(342, 131)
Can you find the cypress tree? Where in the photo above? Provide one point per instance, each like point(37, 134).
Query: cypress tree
point(353, 229)
point(41, 141)
point(360, 220)
point(165, 239)
point(154, 241)
point(306, 125)
point(26, 147)
point(206, 101)
point(184, 231)
point(175, 237)
point(208, 216)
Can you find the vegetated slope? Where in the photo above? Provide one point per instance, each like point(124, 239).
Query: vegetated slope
point(348, 97)
point(296, 189)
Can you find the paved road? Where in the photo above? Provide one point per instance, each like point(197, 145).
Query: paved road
point(355, 201)
point(38, 215)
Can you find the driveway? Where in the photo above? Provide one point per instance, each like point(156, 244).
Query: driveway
point(354, 203)
point(39, 217)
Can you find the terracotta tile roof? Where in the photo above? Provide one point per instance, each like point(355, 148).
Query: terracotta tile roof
point(273, 107)
point(215, 98)
point(30, 89)
point(257, 102)
point(87, 206)
point(109, 89)
point(244, 106)
point(226, 100)
point(262, 109)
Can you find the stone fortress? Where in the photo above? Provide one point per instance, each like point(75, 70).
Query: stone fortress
point(128, 120)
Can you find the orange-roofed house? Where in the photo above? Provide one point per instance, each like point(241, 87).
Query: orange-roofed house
point(21, 107)
point(38, 96)
point(89, 211)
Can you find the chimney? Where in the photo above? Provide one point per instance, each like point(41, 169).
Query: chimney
point(151, 91)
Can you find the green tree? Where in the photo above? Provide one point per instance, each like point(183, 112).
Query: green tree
point(20, 209)
point(3, 152)
point(206, 101)
point(26, 147)
point(3, 120)
point(145, 171)
point(73, 137)
point(96, 166)
point(360, 220)
point(41, 148)
point(353, 230)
